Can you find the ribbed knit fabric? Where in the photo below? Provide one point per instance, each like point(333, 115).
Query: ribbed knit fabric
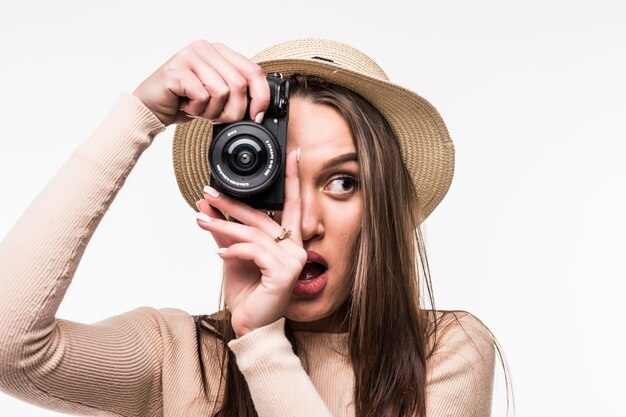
point(145, 362)
point(275, 375)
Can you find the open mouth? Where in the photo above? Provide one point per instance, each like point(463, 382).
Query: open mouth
point(315, 266)
point(313, 277)
point(311, 271)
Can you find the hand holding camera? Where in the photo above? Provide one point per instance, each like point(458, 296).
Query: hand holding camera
point(247, 159)
point(248, 163)
point(207, 80)
point(261, 262)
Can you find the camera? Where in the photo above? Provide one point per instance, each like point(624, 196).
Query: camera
point(247, 159)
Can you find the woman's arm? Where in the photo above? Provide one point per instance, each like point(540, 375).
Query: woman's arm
point(59, 364)
point(460, 371)
point(257, 293)
point(278, 384)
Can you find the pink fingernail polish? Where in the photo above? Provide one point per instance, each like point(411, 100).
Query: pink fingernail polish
point(211, 191)
point(203, 217)
point(221, 250)
point(259, 117)
point(298, 156)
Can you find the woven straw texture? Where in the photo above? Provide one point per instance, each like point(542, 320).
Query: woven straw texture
point(426, 147)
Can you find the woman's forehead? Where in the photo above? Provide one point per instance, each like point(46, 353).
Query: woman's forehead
point(317, 129)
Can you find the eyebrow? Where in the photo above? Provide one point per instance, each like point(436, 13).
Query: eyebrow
point(346, 157)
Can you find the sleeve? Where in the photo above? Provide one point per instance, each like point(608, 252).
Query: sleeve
point(105, 368)
point(461, 369)
point(278, 384)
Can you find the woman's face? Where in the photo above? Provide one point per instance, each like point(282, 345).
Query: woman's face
point(331, 212)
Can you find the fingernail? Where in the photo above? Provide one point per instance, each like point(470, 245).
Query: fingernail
point(221, 250)
point(203, 217)
point(259, 117)
point(298, 156)
point(198, 204)
point(211, 191)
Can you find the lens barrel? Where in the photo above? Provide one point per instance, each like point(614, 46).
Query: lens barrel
point(245, 159)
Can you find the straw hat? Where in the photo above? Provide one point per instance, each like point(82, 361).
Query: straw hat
point(425, 144)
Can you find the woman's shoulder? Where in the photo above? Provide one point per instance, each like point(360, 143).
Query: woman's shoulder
point(461, 324)
point(461, 337)
point(167, 323)
point(460, 367)
point(172, 325)
point(181, 333)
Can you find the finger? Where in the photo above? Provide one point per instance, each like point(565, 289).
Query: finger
point(264, 259)
point(255, 76)
point(236, 99)
point(292, 207)
point(194, 96)
point(276, 274)
point(236, 232)
point(214, 83)
point(204, 207)
point(242, 212)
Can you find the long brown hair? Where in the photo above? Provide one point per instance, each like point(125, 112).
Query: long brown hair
point(389, 263)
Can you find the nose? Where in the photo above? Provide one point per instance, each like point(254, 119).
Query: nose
point(312, 222)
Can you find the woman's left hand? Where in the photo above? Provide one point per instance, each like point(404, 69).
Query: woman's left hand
point(259, 272)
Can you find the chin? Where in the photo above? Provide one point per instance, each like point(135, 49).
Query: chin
point(307, 310)
point(317, 315)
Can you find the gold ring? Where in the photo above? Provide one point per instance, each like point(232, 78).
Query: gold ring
point(284, 235)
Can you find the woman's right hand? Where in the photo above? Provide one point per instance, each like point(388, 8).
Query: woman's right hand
point(207, 80)
point(260, 270)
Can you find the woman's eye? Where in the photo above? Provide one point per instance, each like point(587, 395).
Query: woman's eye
point(341, 185)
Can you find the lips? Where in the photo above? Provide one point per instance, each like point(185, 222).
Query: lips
point(313, 277)
point(314, 267)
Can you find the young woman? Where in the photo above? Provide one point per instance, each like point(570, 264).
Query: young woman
point(324, 312)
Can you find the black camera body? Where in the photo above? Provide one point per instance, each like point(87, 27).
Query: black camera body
point(247, 159)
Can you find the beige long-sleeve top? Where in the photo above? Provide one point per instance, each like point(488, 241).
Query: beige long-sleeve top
point(145, 362)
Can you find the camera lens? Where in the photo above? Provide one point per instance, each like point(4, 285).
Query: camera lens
point(244, 155)
point(245, 159)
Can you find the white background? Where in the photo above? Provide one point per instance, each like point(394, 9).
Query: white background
point(529, 238)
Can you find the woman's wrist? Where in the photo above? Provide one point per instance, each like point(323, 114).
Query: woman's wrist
point(242, 330)
point(247, 336)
